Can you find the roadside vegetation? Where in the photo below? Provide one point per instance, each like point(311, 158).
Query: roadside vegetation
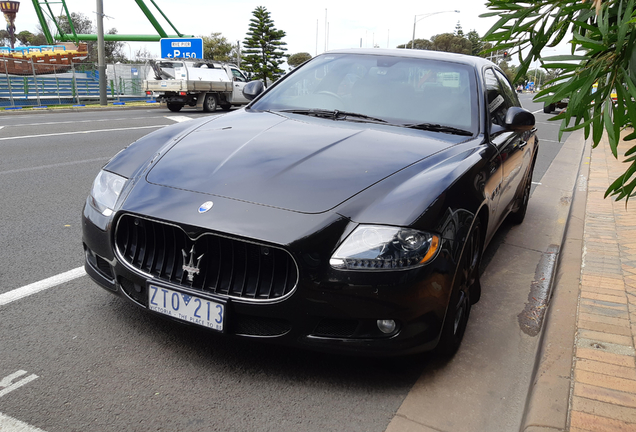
point(602, 36)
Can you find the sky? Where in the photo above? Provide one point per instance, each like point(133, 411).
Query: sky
point(350, 24)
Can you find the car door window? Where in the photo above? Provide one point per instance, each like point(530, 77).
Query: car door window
point(507, 90)
point(238, 76)
point(498, 103)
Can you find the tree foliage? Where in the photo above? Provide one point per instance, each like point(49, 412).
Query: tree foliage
point(456, 42)
point(114, 50)
point(450, 42)
point(603, 39)
point(477, 43)
point(264, 48)
point(458, 30)
point(26, 38)
point(81, 23)
point(217, 47)
point(297, 59)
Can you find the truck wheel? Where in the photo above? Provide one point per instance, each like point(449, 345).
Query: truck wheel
point(548, 108)
point(209, 104)
point(226, 106)
point(174, 107)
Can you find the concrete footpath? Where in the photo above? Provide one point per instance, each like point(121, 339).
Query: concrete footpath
point(585, 379)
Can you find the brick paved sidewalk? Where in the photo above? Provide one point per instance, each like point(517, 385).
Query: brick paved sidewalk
point(603, 396)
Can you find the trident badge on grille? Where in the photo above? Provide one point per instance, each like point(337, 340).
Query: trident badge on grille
point(191, 268)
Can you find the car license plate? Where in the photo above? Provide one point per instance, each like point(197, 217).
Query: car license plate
point(186, 307)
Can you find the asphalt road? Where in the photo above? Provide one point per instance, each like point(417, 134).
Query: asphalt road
point(75, 358)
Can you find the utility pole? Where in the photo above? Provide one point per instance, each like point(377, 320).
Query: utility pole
point(101, 61)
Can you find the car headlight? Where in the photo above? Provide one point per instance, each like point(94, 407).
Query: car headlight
point(374, 247)
point(105, 191)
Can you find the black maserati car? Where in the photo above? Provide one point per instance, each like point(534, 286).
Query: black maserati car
point(345, 209)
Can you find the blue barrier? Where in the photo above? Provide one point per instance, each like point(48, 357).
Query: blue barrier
point(26, 90)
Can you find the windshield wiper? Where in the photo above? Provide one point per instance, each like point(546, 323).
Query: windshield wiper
point(438, 128)
point(333, 114)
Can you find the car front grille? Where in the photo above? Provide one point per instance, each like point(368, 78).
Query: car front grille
point(212, 263)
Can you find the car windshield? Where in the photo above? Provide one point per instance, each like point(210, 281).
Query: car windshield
point(396, 90)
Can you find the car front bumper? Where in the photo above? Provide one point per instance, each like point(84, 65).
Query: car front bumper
point(328, 310)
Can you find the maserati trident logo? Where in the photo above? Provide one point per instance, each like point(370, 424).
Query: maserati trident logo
point(192, 267)
point(205, 206)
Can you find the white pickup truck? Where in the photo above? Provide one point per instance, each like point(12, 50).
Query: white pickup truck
point(201, 83)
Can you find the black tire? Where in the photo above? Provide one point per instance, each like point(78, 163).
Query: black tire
point(548, 108)
point(209, 104)
point(226, 106)
point(520, 214)
point(465, 285)
point(174, 107)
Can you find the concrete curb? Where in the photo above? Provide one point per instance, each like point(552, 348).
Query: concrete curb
point(486, 386)
point(549, 394)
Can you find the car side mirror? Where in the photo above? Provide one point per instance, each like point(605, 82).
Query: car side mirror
point(253, 89)
point(519, 119)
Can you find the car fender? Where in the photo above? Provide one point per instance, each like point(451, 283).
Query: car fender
point(128, 161)
point(458, 178)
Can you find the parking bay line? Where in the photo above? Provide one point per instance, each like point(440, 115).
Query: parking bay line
point(178, 119)
point(9, 424)
point(42, 285)
point(57, 165)
point(80, 132)
point(83, 121)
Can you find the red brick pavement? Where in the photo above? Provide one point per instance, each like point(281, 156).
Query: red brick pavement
point(603, 396)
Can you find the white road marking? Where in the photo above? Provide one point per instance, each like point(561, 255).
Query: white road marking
point(536, 183)
point(178, 119)
point(57, 165)
point(9, 424)
point(9, 385)
point(80, 132)
point(42, 285)
point(543, 139)
point(83, 121)
point(540, 110)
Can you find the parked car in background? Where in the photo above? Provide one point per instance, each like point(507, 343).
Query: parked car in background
point(345, 209)
point(550, 107)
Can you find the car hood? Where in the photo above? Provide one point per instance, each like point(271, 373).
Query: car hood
point(295, 163)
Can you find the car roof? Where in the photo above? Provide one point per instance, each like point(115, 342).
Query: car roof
point(474, 61)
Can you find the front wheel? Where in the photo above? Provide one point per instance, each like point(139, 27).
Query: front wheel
point(520, 214)
point(465, 286)
point(209, 104)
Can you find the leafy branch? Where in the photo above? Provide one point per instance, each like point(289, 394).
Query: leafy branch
point(598, 77)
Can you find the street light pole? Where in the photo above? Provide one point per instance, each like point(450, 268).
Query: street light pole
point(415, 20)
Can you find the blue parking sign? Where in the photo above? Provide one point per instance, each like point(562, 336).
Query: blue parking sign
point(182, 48)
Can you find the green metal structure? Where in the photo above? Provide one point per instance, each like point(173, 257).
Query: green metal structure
point(44, 11)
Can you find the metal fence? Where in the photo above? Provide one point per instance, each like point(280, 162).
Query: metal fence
point(27, 82)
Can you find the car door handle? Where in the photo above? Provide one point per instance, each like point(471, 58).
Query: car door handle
point(522, 144)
